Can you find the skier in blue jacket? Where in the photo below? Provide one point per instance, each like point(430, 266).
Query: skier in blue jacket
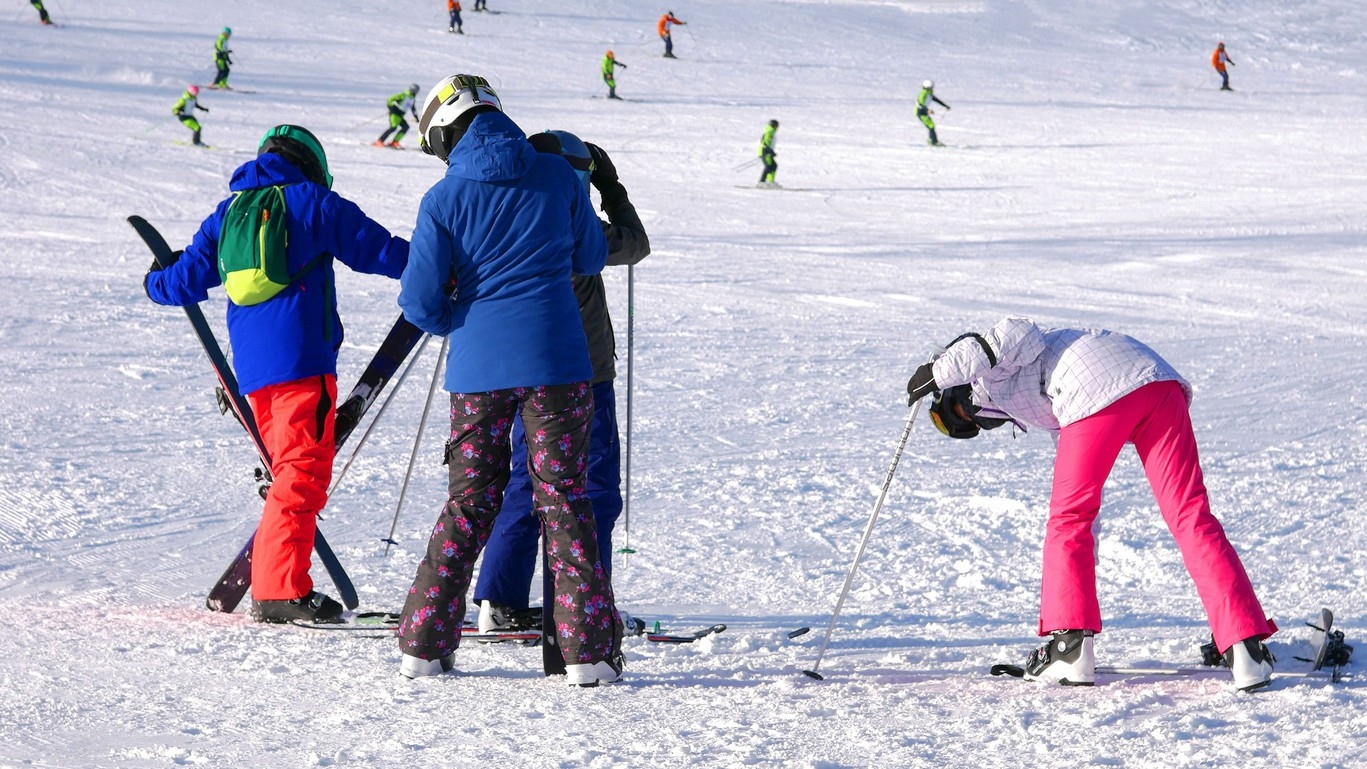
point(285, 352)
point(497, 241)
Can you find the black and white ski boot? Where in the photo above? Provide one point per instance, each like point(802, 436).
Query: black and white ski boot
point(1068, 659)
point(314, 607)
point(588, 674)
point(1251, 663)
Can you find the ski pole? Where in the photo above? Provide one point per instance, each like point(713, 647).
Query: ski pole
point(403, 490)
point(356, 451)
point(364, 122)
point(868, 530)
point(745, 165)
point(631, 369)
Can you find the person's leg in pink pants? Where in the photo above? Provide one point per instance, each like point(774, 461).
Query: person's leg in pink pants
point(1156, 420)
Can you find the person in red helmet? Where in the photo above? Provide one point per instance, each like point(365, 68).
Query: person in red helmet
point(610, 62)
point(184, 110)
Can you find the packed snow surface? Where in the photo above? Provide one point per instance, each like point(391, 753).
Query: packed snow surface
point(1095, 177)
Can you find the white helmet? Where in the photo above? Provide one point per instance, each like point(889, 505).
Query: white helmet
point(448, 109)
point(928, 84)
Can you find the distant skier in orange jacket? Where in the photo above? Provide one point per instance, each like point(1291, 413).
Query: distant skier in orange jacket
point(666, 21)
point(1218, 60)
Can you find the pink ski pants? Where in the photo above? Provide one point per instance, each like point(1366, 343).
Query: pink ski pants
point(1155, 419)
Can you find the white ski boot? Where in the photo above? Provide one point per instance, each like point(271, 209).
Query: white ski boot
point(1067, 659)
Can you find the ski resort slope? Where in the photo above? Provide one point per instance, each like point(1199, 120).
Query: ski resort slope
point(1095, 177)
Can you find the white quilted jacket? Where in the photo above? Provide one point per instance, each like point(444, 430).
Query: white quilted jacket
point(1050, 378)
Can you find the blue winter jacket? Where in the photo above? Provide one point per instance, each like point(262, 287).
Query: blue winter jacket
point(297, 333)
point(510, 226)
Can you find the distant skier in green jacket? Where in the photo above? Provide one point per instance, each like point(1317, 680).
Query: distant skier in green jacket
point(222, 58)
point(609, 62)
point(399, 103)
point(184, 110)
point(766, 154)
point(924, 112)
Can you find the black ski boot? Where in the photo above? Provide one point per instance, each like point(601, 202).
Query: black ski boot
point(314, 607)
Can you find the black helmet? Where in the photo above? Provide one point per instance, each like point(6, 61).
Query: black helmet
point(773, 124)
point(954, 413)
point(301, 148)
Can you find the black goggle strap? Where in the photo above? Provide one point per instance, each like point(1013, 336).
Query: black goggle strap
point(987, 348)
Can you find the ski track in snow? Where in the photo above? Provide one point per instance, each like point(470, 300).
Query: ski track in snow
point(1097, 179)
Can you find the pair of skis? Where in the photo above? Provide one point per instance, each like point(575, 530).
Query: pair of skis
point(230, 589)
point(521, 630)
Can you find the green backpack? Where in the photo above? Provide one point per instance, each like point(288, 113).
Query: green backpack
point(252, 246)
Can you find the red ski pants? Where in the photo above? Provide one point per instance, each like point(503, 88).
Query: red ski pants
point(296, 421)
point(1155, 419)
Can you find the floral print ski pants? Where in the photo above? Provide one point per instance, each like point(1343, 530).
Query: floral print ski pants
point(557, 420)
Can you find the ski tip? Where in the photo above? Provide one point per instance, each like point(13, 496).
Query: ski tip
point(626, 551)
point(799, 632)
point(813, 675)
point(1015, 671)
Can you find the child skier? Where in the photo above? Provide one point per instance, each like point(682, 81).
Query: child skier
point(184, 110)
point(1096, 391)
point(923, 110)
point(399, 103)
point(222, 58)
point(666, 21)
point(609, 62)
point(284, 339)
point(766, 154)
point(1218, 60)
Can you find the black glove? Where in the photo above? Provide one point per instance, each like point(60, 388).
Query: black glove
point(201, 107)
point(921, 384)
point(620, 64)
point(172, 259)
point(604, 172)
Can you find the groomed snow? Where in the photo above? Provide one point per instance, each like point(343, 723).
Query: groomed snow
point(1096, 177)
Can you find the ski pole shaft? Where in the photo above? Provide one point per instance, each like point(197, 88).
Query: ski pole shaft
point(864, 541)
point(745, 165)
point(403, 490)
point(631, 370)
point(356, 451)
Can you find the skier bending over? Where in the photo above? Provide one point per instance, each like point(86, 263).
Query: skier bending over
point(924, 112)
point(505, 578)
point(285, 344)
point(184, 110)
point(400, 103)
point(1096, 391)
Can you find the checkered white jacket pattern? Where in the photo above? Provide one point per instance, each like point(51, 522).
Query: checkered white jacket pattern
point(1050, 378)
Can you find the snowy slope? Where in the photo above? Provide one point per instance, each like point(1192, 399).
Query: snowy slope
point(1097, 178)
